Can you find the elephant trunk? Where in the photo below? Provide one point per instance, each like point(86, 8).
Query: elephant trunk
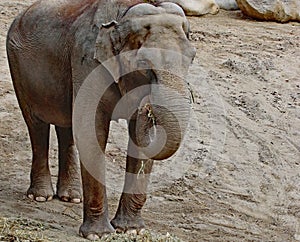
point(163, 117)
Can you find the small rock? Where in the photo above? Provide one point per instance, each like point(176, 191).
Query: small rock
point(237, 102)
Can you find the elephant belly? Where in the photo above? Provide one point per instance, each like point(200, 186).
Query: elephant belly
point(44, 89)
point(47, 103)
point(58, 113)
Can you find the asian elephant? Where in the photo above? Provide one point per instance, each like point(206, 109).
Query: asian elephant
point(53, 47)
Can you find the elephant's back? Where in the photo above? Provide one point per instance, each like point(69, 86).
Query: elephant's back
point(47, 24)
point(39, 46)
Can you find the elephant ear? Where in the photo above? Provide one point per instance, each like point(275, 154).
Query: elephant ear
point(109, 42)
point(105, 44)
point(106, 47)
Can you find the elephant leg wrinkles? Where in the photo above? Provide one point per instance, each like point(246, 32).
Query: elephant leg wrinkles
point(69, 170)
point(128, 216)
point(95, 209)
point(40, 187)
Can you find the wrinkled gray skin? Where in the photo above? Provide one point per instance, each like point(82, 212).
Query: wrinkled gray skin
point(52, 47)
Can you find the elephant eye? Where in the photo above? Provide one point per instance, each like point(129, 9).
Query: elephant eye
point(136, 42)
point(148, 27)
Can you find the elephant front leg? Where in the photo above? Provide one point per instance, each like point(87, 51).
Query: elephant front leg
point(128, 216)
point(95, 209)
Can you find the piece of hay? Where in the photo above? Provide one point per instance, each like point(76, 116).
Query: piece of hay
point(21, 230)
point(25, 230)
point(147, 236)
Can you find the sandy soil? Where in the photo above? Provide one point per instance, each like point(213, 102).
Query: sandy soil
point(237, 178)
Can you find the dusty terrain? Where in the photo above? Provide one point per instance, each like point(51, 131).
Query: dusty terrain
point(237, 178)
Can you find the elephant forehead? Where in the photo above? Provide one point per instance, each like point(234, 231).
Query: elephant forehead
point(143, 9)
point(172, 8)
point(148, 9)
point(170, 21)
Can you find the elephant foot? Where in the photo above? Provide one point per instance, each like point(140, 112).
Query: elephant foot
point(40, 190)
point(94, 230)
point(128, 224)
point(70, 192)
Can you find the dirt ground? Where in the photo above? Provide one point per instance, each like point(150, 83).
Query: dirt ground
point(237, 177)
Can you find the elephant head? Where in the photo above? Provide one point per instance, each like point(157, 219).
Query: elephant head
point(151, 46)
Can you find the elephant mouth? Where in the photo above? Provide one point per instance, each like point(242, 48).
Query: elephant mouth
point(157, 130)
point(149, 120)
